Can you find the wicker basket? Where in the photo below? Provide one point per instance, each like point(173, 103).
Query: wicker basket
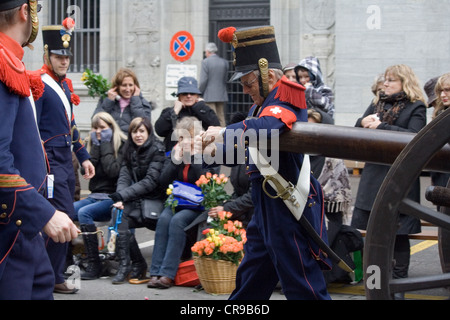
point(216, 276)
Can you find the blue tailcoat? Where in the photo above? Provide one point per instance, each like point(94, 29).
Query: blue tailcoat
point(277, 248)
point(58, 131)
point(23, 209)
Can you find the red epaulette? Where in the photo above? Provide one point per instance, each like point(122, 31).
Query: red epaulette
point(36, 83)
point(13, 73)
point(75, 99)
point(292, 93)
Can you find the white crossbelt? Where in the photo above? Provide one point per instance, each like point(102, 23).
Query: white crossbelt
point(295, 197)
point(57, 88)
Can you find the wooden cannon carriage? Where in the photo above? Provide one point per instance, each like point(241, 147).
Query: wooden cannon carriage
point(409, 155)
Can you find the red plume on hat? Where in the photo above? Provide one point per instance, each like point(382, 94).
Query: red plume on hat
point(227, 34)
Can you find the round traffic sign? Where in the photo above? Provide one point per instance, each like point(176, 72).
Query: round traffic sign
point(182, 46)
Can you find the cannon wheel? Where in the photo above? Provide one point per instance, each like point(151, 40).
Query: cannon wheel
point(391, 201)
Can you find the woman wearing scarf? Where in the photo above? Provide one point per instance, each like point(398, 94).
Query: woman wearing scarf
point(125, 101)
point(402, 108)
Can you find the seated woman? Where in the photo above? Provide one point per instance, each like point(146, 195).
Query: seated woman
point(125, 101)
point(139, 178)
point(170, 237)
point(105, 147)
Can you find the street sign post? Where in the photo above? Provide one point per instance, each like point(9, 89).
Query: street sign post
point(182, 46)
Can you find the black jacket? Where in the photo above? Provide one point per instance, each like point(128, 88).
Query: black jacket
point(167, 122)
point(412, 119)
point(107, 167)
point(139, 177)
point(240, 204)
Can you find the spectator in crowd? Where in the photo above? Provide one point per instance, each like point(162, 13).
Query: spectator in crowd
point(188, 104)
point(213, 81)
point(170, 236)
point(139, 178)
point(105, 146)
point(333, 177)
point(438, 91)
point(378, 85)
point(289, 72)
point(318, 95)
point(125, 101)
point(401, 107)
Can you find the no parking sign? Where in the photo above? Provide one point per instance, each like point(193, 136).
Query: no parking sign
point(182, 46)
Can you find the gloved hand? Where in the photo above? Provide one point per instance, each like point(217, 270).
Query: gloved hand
point(94, 139)
point(106, 135)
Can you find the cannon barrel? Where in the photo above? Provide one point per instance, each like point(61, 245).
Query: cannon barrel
point(358, 144)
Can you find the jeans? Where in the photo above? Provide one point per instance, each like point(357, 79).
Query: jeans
point(89, 210)
point(170, 240)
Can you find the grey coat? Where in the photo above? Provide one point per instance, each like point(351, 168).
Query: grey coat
point(138, 107)
point(213, 79)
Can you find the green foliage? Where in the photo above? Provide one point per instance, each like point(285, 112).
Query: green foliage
point(98, 86)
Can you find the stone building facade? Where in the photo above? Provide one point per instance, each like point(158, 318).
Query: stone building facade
point(355, 41)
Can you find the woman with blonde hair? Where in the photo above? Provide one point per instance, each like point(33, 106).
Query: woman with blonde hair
point(125, 101)
point(442, 94)
point(401, 107)
point(104, 144)
point(442, 104)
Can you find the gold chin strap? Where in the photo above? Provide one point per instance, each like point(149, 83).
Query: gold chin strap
point(264, 70)
point(34, 23)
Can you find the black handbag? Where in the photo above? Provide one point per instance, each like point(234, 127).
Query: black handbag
point(145, 212)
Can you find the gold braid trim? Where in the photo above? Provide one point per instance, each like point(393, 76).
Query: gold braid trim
point(264, 70)
point(12, 181)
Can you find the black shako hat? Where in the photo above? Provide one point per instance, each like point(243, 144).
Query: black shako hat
point(11, 4)
point(57, 39)
point(250, 46)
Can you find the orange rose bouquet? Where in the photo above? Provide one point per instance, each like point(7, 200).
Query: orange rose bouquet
point(213, 188)
point(225, 241)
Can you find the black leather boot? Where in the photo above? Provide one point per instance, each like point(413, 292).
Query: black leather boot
point(123, 255)
point(94, 265)
point(138, 264)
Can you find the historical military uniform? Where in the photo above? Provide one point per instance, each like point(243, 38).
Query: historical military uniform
point(25, 270)
point(278, 249)
point(59, 133)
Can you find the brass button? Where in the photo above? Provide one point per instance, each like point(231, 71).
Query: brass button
point(3, 216)
point(235, 146)
point(248, 168)
point(4, 206)
point(19, 223)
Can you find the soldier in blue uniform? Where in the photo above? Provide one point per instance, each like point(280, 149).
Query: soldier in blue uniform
point(278, 248)
point(60, 135)
point(25, 269)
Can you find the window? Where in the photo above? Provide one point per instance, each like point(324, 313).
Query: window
point(86, 38)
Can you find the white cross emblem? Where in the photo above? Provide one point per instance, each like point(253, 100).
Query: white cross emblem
point(276, 111)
